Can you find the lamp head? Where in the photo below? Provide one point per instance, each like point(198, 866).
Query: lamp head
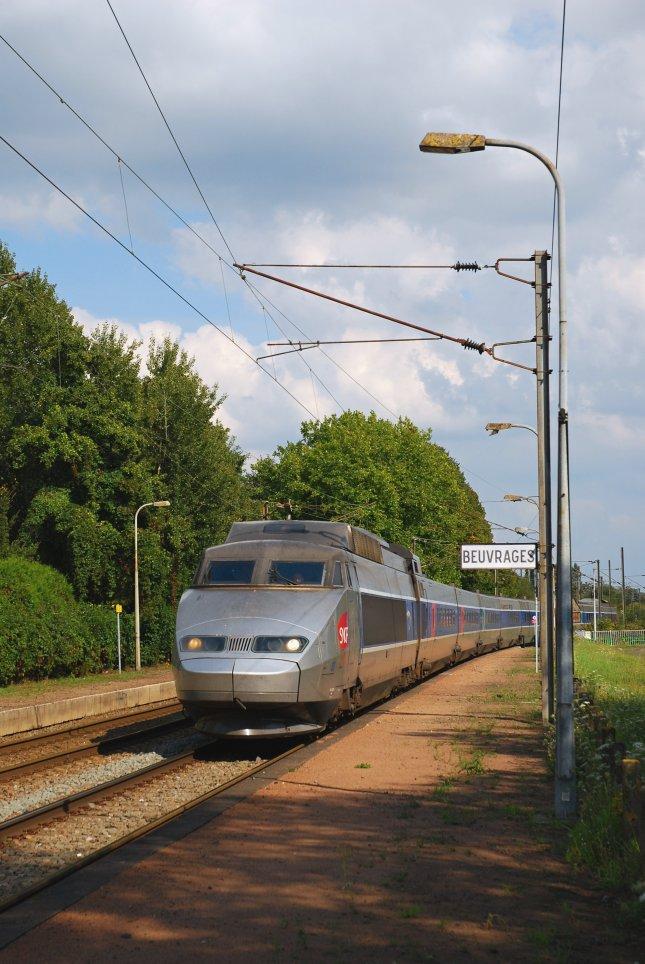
point(162, 505)
point(436, 143)
point(495, 427)
point(512, 498)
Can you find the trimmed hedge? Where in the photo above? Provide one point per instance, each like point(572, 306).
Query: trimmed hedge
point(45, 632)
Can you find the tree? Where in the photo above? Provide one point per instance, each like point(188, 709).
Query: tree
point(390, 478)
point(85, 438)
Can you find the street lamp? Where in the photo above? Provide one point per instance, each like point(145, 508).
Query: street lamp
point(510, 497)
point(494, 428)
point(565, 754)
point(137, 628)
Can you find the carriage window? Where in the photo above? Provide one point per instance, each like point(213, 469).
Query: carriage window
point(296, 573)
point(338, 574)
point(229, 572)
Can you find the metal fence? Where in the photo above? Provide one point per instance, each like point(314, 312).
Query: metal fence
point(615, 637)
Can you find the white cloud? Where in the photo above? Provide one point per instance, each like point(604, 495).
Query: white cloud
point(36, 210)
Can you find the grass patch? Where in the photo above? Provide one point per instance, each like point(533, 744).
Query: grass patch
point(33, 688)
point(441, 792)
point(474, 764)
point(615, 676)
point(598, 843)
point(363, 766)
point(412, 911)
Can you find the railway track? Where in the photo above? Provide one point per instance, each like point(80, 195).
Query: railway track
point(99, 748)
point(38, 739)
point(67, 805)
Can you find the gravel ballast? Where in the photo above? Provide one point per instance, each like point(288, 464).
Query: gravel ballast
point(43, 787)
point(36, 854)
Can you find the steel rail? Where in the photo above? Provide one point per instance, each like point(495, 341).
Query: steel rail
point(36, 738)
point(64, 805)
point(90, 749)
point(142, 831)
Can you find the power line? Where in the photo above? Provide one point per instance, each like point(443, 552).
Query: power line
point(122, 162)
point(169, 129)
point(300, 346)
point(118, 157)
point(260, 294)
point(458, 266)
point(466, 343)
point(151, 270)
point(557, 133)
point(201, 193)
point(252, 288)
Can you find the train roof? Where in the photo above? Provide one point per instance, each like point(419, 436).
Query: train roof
point(339, 534)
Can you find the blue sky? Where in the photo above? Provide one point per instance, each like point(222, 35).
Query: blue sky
point(302, 123)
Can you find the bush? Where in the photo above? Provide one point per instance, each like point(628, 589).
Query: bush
point(45, 632)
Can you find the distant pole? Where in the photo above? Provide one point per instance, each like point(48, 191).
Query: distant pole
point(609, 566)
point(599, 592)
point(596, 584)
point(546, 615)
point(622, 579)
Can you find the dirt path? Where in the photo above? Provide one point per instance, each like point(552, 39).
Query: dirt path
point(424, 835)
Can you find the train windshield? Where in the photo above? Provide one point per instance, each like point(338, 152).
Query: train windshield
point(296, 573)
point(229, 572)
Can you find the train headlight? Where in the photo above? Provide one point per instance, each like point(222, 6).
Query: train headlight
point(202, 644)
point(280, 644)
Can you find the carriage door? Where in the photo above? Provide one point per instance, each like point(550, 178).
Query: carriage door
point(354, 630)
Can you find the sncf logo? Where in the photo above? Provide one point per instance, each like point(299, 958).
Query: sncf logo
point(342, 630)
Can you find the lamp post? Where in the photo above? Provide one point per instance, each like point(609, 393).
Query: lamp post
point(565, 762)
point(137, 628)
point(510, 497)
point(494, 428)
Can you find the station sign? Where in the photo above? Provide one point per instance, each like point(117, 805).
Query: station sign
point(509, 555)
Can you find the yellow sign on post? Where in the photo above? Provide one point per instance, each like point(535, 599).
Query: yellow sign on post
point(118, 609)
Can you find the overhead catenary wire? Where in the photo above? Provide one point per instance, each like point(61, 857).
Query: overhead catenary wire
point(255, 292)
point(458, 266)
point(194, 180)
point(367, 391)
point(467, 343)
point(125, 202)
point(223, 260)
point(299, 346)
point(151, 270)
point(169, 129)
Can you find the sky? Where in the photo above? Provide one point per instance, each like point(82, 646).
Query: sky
point(301, 122)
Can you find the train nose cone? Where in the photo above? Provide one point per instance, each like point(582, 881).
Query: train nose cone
point(256, 680)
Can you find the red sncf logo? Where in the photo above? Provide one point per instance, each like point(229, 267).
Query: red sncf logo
point(342, 630)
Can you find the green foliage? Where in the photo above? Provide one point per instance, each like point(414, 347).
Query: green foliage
point(614, 677)
point(45, 632)
point(598, 840)
point(390, 478)
point(86, 438)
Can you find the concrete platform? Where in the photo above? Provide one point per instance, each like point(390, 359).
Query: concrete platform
point(20, 719)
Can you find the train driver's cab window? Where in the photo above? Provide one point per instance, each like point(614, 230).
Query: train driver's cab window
point(284, 573)
point(337, 579)
point(229, 572)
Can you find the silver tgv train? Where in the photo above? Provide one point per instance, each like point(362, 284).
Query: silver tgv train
point(291, 624)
